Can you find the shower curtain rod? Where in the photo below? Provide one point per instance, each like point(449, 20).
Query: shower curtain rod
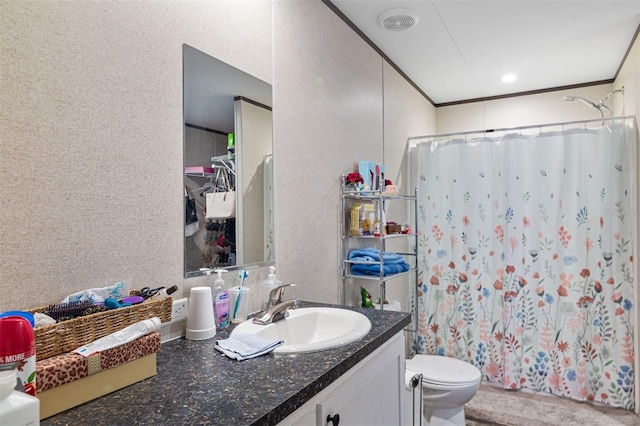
point(515, 129)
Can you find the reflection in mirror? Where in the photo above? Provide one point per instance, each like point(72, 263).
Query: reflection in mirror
point(227, 148)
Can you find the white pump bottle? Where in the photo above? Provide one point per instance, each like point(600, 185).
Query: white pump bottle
point(269, 284)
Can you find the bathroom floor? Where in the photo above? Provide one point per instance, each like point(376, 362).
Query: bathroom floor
point(496, 406)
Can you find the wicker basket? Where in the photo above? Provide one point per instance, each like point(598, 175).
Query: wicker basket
point(68, 335)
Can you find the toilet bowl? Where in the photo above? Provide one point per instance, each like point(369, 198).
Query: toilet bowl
point(447, 384)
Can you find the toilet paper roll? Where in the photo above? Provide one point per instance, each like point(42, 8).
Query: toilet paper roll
point(393, 305)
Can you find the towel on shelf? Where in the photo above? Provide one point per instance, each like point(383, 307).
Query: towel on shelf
point(393, 262)
point(245, 346)
point(368, 254)
point(357, 269)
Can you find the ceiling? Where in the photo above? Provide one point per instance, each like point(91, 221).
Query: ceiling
point(460, 50)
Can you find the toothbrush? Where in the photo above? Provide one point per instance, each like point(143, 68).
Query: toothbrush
point(242, 274)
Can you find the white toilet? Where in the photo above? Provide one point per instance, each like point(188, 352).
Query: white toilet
point(447, 384)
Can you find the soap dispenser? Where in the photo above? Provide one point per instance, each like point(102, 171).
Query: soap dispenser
point(269, 284)
point(221, 301)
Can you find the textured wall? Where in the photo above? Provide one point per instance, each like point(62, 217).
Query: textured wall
point(336, 102)
point(91, 136)
point(406, 113)
point(327, 97)
point(91, 148)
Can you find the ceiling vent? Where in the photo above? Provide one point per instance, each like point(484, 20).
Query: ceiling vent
point(398, 19)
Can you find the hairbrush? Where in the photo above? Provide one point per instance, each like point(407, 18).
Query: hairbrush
point(65, 311)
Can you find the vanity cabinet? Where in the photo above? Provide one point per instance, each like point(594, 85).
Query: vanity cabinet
point(376, 237)
point(368, 394)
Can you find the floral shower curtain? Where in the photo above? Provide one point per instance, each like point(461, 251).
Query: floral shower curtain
point(526, 260)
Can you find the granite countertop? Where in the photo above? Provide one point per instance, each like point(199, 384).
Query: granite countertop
point(195, 384)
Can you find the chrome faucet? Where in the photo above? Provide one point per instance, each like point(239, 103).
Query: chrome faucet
point(276, 308)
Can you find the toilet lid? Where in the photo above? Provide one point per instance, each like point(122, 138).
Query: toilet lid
point(443, 370)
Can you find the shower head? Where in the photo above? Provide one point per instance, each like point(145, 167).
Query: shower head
point(600, 105)
point(583, 100)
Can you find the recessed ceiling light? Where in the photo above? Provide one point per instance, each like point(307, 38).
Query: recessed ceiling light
point(398, 19)
point(509, 78)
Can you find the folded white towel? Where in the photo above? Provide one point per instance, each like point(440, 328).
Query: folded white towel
point(245, 346)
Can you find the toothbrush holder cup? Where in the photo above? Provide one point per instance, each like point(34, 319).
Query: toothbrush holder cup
point(239, 303)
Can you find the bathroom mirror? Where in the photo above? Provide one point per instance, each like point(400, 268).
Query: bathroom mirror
point(220, 100)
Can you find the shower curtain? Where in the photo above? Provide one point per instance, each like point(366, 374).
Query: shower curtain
point(526, 259)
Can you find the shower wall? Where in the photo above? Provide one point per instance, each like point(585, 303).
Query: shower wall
point(520, 111)
point(629, 77)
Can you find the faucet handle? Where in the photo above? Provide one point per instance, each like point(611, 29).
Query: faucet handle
point(276, 294)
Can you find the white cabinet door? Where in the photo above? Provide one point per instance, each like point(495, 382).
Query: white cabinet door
point(369, 394)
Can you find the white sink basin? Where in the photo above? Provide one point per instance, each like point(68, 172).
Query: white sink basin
point(311, 329)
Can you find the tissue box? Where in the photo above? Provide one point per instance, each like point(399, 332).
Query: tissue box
point(372, 174)
point(68, 380)
point(393, 228)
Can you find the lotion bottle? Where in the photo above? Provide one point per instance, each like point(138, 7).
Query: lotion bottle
point(269, 284)
point(221, 301)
